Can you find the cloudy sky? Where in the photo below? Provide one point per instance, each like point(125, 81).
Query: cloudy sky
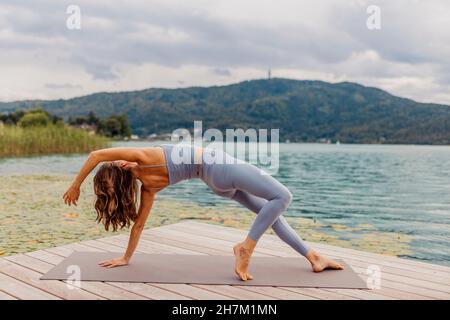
point(137, 44)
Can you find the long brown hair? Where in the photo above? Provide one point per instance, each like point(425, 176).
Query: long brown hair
point(116, 190)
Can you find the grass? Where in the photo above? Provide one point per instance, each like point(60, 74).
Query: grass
point(40, 140)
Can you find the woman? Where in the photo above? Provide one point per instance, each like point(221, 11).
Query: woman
point(115, 185)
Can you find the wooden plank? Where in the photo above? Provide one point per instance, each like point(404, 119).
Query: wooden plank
point(22, 290)
point(149, 291)
point(101, 245)
point(17, 267)
point(111, 292)
point(80, 247)
point(61, 250)
point(321, 293)
point(234, 292)
point(278, 293)
point(119, 243)
point(363, 294)
point(401, 295)
point(175, 242)
point(186, 237)
point(5, 296)
point(438, 283)
point(147, 246)
point(192, 291)
point(46, 257)
point(431, 289)
point(205, 242)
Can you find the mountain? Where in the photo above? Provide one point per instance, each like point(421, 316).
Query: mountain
point(302, 110)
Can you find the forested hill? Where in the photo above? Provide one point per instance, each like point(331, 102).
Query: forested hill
point(302, 110)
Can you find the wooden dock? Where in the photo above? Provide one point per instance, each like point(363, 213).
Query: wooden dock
point(400, 278)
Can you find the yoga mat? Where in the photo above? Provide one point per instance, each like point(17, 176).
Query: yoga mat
point(202, 269)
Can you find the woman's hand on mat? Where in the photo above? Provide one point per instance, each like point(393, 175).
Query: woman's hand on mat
point(71, 195)
point(114, 262)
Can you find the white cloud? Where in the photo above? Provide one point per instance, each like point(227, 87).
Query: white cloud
point(142, 43)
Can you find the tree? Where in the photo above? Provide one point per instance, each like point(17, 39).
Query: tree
point(113, 126)
point(124, 125)
point(77, 121)
point(92, 119)
point(12, 118)
point(110, 127)
point(34, 119)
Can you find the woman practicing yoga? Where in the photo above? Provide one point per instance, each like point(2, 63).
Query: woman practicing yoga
point(115, 185)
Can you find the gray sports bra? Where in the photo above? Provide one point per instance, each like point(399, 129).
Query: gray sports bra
point(177, 168)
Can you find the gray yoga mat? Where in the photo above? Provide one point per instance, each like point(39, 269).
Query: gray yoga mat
point(203, 269)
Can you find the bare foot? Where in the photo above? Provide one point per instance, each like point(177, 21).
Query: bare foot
point(242, 261)
point(320, 263)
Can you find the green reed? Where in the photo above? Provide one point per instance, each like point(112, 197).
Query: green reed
point(18, 141)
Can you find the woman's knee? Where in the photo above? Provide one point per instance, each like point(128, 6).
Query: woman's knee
point(286, 197)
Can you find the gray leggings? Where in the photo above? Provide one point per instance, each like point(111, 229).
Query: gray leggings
point(259, 192)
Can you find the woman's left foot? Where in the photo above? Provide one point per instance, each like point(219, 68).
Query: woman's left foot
point(320, 263)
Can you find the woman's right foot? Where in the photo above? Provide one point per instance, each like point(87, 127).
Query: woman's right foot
point(320, 263)
point(243, 256)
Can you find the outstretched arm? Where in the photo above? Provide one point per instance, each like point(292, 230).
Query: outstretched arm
point(147, 198)
point(95, 157)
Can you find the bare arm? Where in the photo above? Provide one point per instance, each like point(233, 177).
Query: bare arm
point(145, 207)
point(95, 157)
point(110, 154)
point(147, 198)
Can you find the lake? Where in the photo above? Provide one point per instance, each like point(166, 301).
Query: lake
point(355, 191)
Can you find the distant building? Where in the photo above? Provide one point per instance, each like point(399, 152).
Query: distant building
point(324, 140)
point(164, 136)
point(88, 127)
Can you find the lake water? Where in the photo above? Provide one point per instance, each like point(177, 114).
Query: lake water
point(403, 190)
